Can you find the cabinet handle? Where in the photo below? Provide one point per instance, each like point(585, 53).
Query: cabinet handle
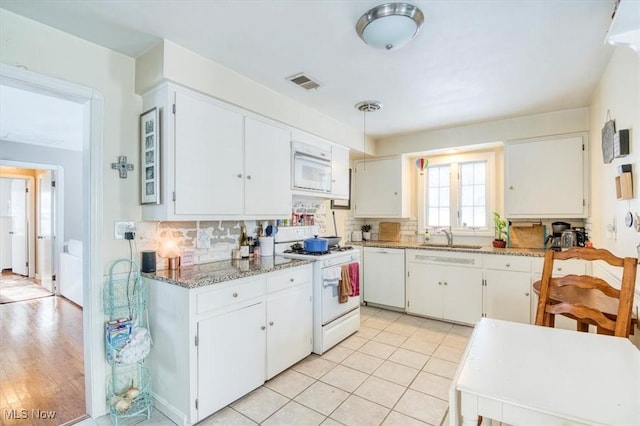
point(292, 279)
point(511, 187)
point(559, 269)
point(508, 265)
point(395, 193)
point(249, 177)
point(439, 282)
point(270, 322)
point(263, 328)
point(235, 294)
point(526, 294)
point(239, 175)
point(445, 283)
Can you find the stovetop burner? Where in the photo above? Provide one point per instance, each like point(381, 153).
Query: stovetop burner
point(295, 250)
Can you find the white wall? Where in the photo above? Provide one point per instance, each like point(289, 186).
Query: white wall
point(172, 62)
point(552, 123)
point(619, 93)
point(57, 54)
point(71, 162)
point(51, 52)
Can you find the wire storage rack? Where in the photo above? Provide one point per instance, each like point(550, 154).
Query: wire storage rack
point(127, 341)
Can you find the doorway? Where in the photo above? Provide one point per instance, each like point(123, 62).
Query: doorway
point(29, 215)
point(88, 210)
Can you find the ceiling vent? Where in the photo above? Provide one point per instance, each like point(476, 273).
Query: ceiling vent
point(304, 81)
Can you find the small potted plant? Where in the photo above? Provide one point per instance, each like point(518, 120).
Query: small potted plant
point(366, 232)
point(500, 228)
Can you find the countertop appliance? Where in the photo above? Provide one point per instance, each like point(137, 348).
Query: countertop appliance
point(332, 321)
point(568, 239)
point(556, 237)
point(311, 167)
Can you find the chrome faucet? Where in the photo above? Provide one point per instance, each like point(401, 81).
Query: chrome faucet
point(448, 234)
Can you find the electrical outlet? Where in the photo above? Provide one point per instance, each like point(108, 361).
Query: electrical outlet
point(120, 227)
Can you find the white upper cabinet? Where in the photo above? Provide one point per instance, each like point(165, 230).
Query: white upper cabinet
point(267, 170)
point(208, 157)
point(217, 161)
point(340, 172)
point(546, 177)
point(382, 188)
point(625, 25)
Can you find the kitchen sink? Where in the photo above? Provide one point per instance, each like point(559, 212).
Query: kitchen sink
point(454, 246)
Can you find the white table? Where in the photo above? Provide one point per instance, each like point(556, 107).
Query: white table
point(523, 374)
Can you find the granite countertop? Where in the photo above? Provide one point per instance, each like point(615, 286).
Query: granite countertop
point(461, 248)
point(226, 270)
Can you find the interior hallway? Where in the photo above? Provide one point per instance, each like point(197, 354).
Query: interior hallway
point(42, 364)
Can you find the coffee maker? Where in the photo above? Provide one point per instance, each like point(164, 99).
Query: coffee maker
point(555, 238)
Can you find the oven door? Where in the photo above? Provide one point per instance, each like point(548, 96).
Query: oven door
point(310, 173)
point(331, 307)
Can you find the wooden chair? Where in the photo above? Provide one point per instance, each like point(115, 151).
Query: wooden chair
point(587, 299)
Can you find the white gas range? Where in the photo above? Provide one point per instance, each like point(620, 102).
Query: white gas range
point(332, 321)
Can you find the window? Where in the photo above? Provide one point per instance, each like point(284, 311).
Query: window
point(457, 191)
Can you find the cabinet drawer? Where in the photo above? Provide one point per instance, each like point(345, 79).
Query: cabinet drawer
point(288, 278)
point(562, 267)
point(508, 263)
point(229, 295)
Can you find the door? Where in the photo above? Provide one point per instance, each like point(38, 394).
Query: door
point(424, 290)
point(45, 230)
point(231, 357)
point(507, 295)
point(462, 296)
point(289, 328)
point(330, 305)
point(208, 158)
point(19, 241)
point(267, 168)
point(533, 167)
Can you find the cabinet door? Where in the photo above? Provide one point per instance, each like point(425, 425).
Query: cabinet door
point(231, 357)
point(507, 295)
point(208, 157)
point(384, 276)
point(378, 191)
point(289, 328)
point(267, 170)
point(545, 178)
point(424, 290)
point(462, 294)
point(340, 180)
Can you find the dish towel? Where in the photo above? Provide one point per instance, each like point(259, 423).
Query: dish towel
point(354, 276)
point(331, 276)
point(345, 285)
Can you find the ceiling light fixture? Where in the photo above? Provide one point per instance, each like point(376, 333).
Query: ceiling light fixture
point(390, 25)
point(365, 107)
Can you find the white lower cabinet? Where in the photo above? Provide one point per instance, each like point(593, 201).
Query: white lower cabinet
point(289, 321)
point(444, 285)
point(217, 343)
point(384, 276)
point(231, 357)
point(507, 288)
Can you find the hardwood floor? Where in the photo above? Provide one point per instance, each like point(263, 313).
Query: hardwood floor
point(42, 367)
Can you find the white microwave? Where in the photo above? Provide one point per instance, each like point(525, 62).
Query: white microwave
point(311, 168)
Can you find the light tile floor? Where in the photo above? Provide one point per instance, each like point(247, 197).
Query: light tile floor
point(396, 370)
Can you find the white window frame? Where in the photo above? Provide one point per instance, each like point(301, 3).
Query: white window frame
point(454, 161)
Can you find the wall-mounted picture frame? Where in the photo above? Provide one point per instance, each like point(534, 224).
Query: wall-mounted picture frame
point(150, 157)
point(343, 204)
